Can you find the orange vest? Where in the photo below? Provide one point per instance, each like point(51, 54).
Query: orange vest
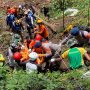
point(44, 31)
point(40, 51)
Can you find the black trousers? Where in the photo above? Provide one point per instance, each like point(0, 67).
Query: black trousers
point(29, 29)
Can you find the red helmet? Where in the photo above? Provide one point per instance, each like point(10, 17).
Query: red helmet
point(38, 37)
point(17, 56)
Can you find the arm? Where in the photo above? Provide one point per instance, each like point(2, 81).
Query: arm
point(87, 56)
point(32, 20)
point(40, 32)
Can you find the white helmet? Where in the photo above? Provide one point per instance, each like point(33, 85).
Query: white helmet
point(33, 56)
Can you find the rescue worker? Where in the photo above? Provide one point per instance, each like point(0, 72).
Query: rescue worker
point(29, 20)
point(22, 57)
point(32, 66)
point(9, 20)
point(20, 12)
point(18, 27)
point(41, 29)
point(81, 35)
point(44, 53)
point(11, 50)
point(16, 39)
point(74, 55)
point(25, 53)
point(33, 41)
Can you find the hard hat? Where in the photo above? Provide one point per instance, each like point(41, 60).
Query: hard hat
point(38, 37)
point(38, 44)
point(71, 42)
point(39, 21)
point(33, 56)
point(75, 31)
point(17, 56)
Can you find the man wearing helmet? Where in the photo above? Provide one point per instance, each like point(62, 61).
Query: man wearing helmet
point(82, 36)
point(41, 29)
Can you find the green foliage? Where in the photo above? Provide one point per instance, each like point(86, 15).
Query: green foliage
point(56, 7)
point(20, 80)
point(60, 5)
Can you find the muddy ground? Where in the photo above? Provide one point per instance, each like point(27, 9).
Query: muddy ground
point(5, 34)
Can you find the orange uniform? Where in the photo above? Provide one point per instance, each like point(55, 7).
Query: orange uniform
point(32, 44)
point(43, 31)
point(25, 54)
point(40, 52)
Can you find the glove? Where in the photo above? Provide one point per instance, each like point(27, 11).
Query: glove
point(52, 60)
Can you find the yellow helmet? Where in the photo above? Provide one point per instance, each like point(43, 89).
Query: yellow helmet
point(39, 21)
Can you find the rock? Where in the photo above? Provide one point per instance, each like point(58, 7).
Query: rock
point(86, 75)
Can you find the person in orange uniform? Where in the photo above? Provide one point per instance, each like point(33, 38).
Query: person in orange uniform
point(33, 42)
point(39, 50)
point(24, 53)
point(44, 53)
point(25, 56)
point(41, 29)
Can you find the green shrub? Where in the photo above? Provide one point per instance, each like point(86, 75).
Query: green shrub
point(20, 80)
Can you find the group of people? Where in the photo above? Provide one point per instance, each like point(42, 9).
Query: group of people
point(32, 48)
point(33, 51)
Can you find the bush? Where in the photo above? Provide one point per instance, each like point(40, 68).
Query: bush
point(20, 80)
